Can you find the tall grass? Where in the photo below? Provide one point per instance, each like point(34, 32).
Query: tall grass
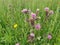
point(10, 14)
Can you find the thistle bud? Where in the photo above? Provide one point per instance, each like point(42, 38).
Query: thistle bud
point(37, 11)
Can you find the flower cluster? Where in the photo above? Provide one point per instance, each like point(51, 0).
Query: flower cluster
point(33, 17)
point(48, 12)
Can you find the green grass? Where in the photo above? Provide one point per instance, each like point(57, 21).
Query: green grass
point(12, 15)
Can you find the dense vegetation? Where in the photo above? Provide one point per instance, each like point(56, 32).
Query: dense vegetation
point(29, 22)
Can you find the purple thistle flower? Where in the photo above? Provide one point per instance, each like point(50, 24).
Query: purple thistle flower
point(38, 27)
point(49, 37)
point(51, 12)
point(24, 11)
point(46, 9)
point(47, 13)
point(33, 15)
point(17, 43)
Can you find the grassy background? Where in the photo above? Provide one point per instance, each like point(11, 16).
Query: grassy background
point(10, 13)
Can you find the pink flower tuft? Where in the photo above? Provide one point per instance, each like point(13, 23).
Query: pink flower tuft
point(24, 11)
point(51, 12)
point(38, 27)
point(33, 15)
point(49, 37)
point(46, 9)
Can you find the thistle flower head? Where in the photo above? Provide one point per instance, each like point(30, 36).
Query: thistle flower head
point(46, 9)
point(49, 37)
point(33, 15)
point(37, 26)
point(24, 11)
point(51, 12)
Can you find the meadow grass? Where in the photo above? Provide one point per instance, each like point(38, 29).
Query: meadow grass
point(10, 14)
